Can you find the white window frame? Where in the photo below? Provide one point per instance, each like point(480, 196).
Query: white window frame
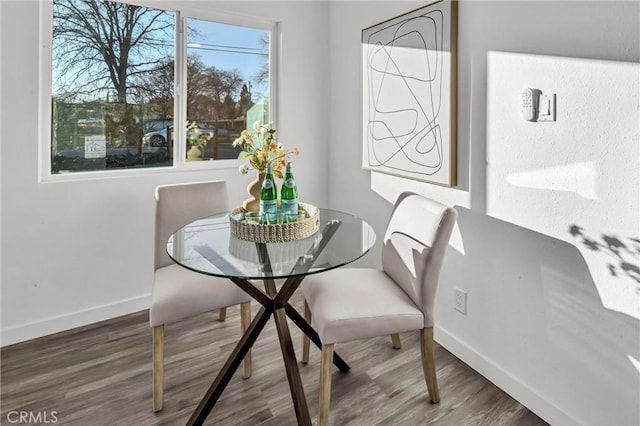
point(180, 106)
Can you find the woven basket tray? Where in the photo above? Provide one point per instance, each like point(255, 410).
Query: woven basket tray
point(275, 233)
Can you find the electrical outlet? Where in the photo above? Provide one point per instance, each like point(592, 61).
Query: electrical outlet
point(460, 301)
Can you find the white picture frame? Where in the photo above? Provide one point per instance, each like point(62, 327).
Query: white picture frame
point(409, 80)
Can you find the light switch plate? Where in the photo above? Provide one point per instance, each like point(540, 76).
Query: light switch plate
point(547, 107)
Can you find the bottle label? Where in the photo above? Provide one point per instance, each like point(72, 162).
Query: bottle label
point(268, 184)
point(289, 209)
point(289, 183)
point(268, 211)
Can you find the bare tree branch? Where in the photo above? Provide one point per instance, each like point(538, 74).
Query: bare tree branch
point(100, 44)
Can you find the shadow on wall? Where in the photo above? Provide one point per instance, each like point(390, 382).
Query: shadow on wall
point(624, 254)
point(535, 311)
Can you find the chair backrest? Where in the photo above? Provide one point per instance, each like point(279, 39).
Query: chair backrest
point(179, 204)
point(414, 246)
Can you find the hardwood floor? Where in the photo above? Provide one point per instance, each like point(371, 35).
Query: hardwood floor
point(101, 375)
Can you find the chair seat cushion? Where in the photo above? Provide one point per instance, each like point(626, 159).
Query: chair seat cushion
point(179, 293)
point(358, 303)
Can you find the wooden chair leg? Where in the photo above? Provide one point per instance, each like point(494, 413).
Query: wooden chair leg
point(222, 314)
point(428, 363)
point(326, 365)
point(305, 339)
point(158, 367)
point(245, 321)
point(395, 340)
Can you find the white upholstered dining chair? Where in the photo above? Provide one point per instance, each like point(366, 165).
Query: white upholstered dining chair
point(178, 293)
point(358, 303)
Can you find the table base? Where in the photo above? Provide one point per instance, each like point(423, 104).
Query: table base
point(273, 303)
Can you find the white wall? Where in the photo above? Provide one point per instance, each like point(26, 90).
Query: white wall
point(77, 252)
point(82, 251)
point(538, 324)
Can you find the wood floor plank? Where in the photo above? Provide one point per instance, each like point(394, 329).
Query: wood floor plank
point(100, 374)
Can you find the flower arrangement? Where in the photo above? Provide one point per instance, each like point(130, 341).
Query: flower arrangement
point(261, 149)
point(195, 137)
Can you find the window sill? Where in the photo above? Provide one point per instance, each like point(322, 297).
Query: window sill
point(194, 166)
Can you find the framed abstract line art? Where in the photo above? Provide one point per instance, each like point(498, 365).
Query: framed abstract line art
point(409, 70)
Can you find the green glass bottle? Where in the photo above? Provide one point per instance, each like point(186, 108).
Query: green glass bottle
point(289, 196)
point(269, 198)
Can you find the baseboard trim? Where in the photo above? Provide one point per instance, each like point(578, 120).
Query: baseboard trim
point(493, 372)
point(56, 324)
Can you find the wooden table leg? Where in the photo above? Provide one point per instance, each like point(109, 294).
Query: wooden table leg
point(291, 366)
point(233, 362)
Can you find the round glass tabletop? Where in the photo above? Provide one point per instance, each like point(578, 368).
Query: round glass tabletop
point(207, 246)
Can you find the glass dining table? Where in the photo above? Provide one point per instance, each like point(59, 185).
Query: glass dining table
point(208, 246)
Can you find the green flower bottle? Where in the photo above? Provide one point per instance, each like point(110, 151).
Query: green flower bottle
point(289, 196)
point(269, 198)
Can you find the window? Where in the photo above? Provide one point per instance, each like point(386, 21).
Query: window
point(220, 99)
point(118, 92)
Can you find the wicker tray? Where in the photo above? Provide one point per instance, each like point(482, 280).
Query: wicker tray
point(277, 232)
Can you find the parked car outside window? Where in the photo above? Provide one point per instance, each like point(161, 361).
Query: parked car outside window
point(159, 137)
